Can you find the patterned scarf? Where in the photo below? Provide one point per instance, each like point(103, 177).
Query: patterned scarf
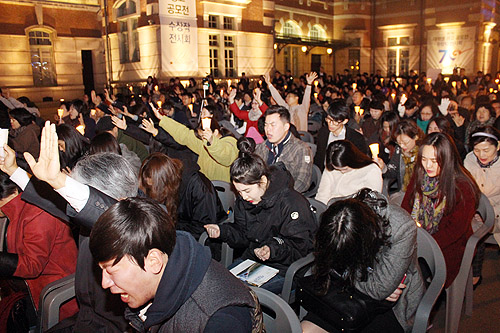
point(409, 166)
point(487, 165)
point(427, 212)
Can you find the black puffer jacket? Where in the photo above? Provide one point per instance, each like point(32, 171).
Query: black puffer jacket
point(199, 203)
point(282, 220)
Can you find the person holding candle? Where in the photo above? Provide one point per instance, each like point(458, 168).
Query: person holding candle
point(400, 167)
point(252, 116)
point(347, 171)
point(442, 198)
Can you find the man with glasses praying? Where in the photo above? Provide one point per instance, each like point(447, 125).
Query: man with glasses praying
point(336, 129)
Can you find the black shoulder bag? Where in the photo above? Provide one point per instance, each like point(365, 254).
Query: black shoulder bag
point(348, 309)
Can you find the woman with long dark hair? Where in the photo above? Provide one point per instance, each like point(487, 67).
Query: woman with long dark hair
point(272, 222)
point(347, 171)
point(72, 145)
point(442, 197)
point(367, 244)
point(183, 190)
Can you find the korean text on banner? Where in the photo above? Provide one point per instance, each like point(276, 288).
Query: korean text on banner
point(179, 37)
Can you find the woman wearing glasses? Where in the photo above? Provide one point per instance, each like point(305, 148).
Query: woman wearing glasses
point(401, 165)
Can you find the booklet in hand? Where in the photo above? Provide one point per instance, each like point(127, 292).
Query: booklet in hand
point(254, 273)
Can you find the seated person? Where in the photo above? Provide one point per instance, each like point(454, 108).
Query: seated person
point(40, 247)
point(347, 171)
point(214, 145)
point(184, 191)
point(164, 289)
point(273, 223)
point(400, 167)
point(442, 197)
point(282, 146)
point(224, 314)
point(336, 129)
point(377, 269)
point(372, 125)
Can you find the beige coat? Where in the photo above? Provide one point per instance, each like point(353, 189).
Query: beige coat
point(336, 184)
point(487, 180)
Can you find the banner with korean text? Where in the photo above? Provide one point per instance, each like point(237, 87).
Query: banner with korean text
point(179, 37)
point(451, 47)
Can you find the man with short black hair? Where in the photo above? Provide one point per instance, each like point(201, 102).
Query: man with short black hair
point(336, 129)
point(282, 146)
point(143, 259)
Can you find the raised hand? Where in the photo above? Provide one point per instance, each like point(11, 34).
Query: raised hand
point(256, 95)
point(267, 78)
point(120, 123)
point(47, 168)
point(311, 77)
point(149, 126)
point(8, 162)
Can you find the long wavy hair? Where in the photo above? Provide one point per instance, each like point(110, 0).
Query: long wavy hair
point(450, 174)
point(351, 234)
point(160, 178)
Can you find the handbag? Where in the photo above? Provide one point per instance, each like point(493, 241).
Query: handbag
point(347, 309)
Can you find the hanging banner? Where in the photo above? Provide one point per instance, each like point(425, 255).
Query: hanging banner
point(448, 48)
point(179, 37)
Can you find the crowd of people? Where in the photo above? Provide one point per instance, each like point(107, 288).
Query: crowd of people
point(120, 187)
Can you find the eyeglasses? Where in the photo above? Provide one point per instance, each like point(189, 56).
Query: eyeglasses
point(333, 121)
point(404, 143)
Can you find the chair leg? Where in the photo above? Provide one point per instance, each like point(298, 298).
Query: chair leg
point(454, 302)
point(469, 295)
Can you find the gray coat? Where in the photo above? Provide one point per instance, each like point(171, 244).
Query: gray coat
point(392, 265)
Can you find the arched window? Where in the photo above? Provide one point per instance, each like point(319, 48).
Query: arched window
point(128, 37)
point(291, 28)
point(42, 57)
point(317, 32)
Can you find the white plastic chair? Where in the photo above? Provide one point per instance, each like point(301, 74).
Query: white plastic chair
point(51, 298)
point(283, 319)
point(429, 250)
point(462, 286)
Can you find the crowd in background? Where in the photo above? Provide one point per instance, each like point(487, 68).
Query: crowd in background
point(430, 145)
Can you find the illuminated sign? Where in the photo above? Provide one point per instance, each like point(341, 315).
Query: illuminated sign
point(179, 37)
point(448, 48)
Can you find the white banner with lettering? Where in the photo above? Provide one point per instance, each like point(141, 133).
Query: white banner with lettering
point(179, 37)
point(448, 48)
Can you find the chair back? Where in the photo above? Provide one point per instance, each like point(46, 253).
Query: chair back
point(462, 285)
point(52, 297)
point(429, 250)
point(278, 315)
point(3, 230)
point(225, 194)
point(306, 136)
point(315, 179)
point(318, 208)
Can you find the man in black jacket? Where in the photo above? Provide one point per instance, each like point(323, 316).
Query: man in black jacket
point(337, 129)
